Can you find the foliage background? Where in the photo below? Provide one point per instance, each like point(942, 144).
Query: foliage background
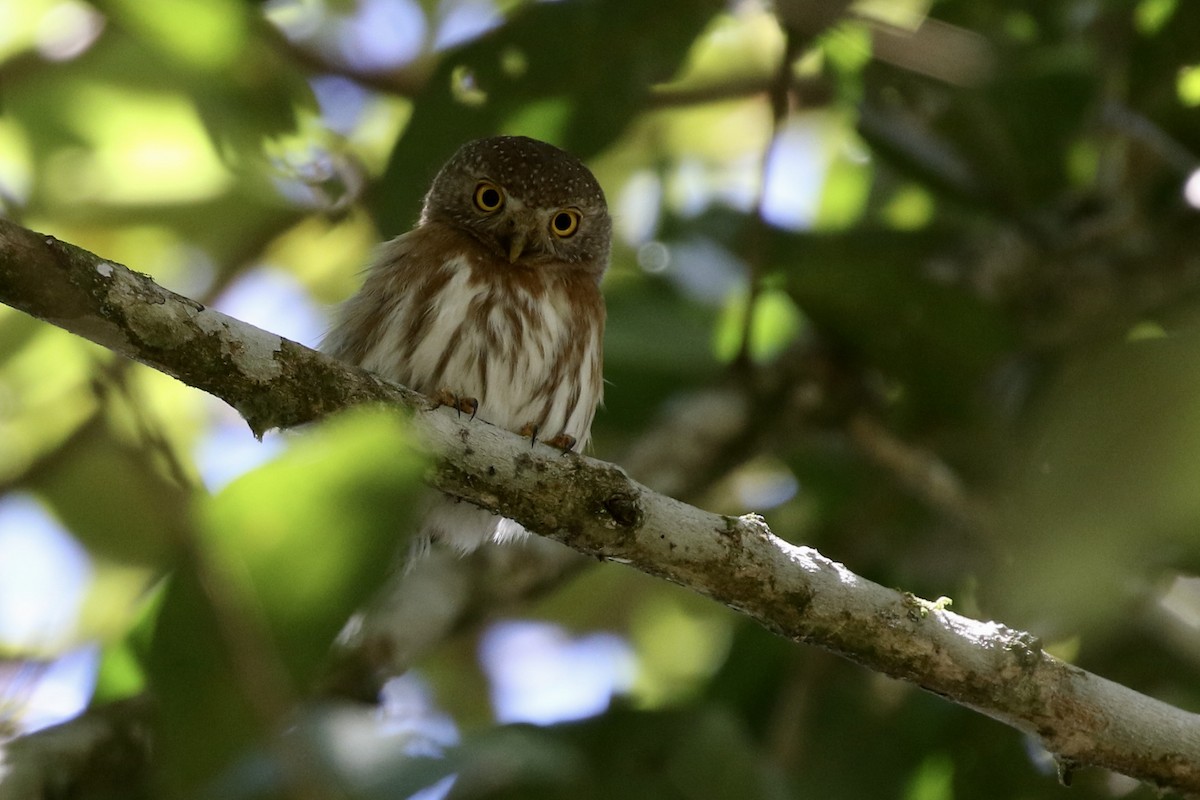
point(945, 252)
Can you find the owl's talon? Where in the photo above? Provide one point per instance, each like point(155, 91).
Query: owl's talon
point(444, 397)
point(564, 442)
point(463, 405)
point(530, 431)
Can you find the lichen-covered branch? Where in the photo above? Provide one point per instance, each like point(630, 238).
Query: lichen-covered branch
point(596, 509)
point(273, 382)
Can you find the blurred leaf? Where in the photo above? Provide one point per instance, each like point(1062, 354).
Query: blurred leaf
point(120, 674)
point(144, 147)
point(310, 536)
point(562, 52)
point(1104, 485)
point(112, 497)
point(244, 90)
point(699, 754)
point(1152, 15)
point(873, 290)
point(1001, 145)
point(199, 689)
point(847, 187)
point(81, 156)
point(910, 208)
point(122, 670)
point(203, 34)
point(678, 648)
point(656, 344)
point(296, 546)
point(16, 331)
point(933, 781)
point(777, 323)
point(847, 47)
point(43, 407)
point(1188, 86)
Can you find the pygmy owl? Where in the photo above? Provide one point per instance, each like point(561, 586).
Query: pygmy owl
point(493, 301)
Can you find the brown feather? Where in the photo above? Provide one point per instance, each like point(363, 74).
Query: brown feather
point(442, 308)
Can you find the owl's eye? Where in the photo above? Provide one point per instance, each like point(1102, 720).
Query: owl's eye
point(564, 223)
point(489, 198)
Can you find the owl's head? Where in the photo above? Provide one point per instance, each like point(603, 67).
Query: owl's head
point(527, 201)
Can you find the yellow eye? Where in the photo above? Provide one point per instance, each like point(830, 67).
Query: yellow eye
point(489, 198)
point(564, 223)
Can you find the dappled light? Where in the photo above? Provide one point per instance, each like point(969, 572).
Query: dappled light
point(916, 282)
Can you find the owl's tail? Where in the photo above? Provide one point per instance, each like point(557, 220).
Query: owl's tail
point(465, 527)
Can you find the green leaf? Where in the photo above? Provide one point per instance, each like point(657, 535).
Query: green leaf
point(776, 324)
point(311, 535)
point(287, 553)
point(697, 754)
point(555, 67)
point(110, 494)
point(197, 690)
point(934, 780)
point(656, 343)
point(872, 291)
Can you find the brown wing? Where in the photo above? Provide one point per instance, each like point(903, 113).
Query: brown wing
point(359, 321)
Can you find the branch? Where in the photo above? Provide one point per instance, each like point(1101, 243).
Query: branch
point(593, 507)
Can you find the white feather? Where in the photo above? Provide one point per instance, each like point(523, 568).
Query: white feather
point(508, 396)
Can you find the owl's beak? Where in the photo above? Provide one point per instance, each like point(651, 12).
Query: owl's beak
point(516, 246)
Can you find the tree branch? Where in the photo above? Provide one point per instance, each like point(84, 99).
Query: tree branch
point(593, 507)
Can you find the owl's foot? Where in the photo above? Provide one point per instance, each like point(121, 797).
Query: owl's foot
point(464, 405)
point(564, 442)
point(530, 431)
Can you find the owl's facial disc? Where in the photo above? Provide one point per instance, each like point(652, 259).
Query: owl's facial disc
point(528, 203)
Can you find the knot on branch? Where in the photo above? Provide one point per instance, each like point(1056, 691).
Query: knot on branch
point(624, 509)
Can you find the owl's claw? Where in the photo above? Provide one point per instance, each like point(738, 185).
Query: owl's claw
point(463, 405)
point(529, 430)
point(564, 442)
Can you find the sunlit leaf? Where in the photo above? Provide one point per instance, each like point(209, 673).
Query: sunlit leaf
point(1151, 15)
point(777, 322)
point(121, 674)
point(1188, 85)
point(205, 34)
point(911, 207)
point(844, 198)
point(933, 781)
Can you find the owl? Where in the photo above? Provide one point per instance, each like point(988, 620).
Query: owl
point(492, 304)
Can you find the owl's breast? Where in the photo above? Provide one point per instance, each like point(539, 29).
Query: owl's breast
point(519, 342)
